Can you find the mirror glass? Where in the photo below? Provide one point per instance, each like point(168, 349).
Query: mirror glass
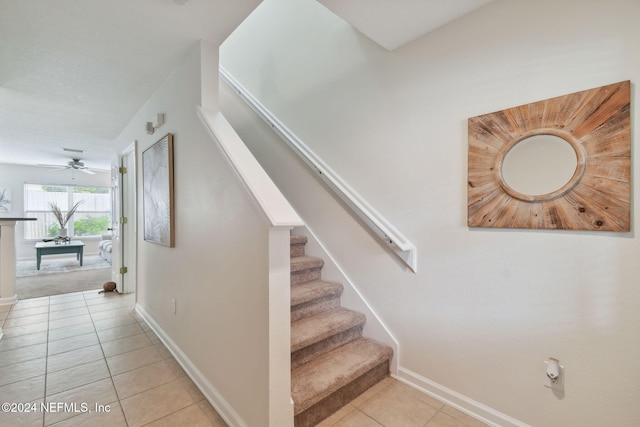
point(539, 164)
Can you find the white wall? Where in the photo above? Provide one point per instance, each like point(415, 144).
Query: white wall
point(218, 269)
point(15, 176)
point(487, 306)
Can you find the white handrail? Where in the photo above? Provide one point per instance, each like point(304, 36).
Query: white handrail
point(276, 208)
point(376, 222)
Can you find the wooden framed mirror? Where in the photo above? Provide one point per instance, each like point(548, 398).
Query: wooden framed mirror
point(561, 163)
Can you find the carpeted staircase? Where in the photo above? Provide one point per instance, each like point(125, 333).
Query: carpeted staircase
point(331, 363)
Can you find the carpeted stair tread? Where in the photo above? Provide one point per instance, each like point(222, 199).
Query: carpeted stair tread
point(310, 330)
point(319, 378)
point(318, 289)
point(305, 263)
point(298, 240)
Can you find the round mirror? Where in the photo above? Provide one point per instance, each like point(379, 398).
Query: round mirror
point(539, 164)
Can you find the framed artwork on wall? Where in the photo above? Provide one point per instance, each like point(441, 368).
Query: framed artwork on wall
point(158, 200)
point(5, 199)
point(561, 163)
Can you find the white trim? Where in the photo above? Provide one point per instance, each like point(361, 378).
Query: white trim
point(224, 409)
point(401, 246)
point(452, 398)
point(9, 300)
point(273, 204)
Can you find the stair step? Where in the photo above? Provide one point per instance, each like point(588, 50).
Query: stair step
point(305, 269)
point(316, 335)
point(323, 385)
point(297, 245)
point(311, 330)
point(308, 299)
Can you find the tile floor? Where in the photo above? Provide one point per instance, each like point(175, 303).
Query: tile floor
point(393, 404)
point(92, 349)
point(66, 354)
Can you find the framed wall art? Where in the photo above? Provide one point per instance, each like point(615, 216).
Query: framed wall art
point(5, 199)
point(561, 163)
point(158, 199)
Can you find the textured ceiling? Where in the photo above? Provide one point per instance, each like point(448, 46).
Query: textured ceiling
point(74, 72)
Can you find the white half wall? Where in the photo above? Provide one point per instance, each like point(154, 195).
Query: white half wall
point(218, 271)
point(487, 307)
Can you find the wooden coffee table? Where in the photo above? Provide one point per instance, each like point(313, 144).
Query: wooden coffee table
point(53, 248)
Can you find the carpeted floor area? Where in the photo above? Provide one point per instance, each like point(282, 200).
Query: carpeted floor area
point(60, 276)
point(65, 264)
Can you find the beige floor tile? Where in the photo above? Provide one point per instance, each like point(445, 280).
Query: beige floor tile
point(191, 416)
point(119, 332)
point(23, 354)
point(192, 389)
point(70, 312)
point(27, 311)
point(153, 337)
point(72, 343)
point(145, 326)
point(96, 393)
point(372, 391)
point(73, 358)
point(133, 359)
point(23, 391)
point(22, 341)
point(69, 321)
point(67, 305)
point(164, 351)
point(110, 415)
point(92, 294)
point(466, 420)
point(393, 406)
point(26, 320)
point(341, 413)
point(71, 331)
point(156, 403)
point(110, 314)
point(108, 306)
point(125, 345)
point(115, 322)
point(396, 387)
point(94, 298)
point(175, 367)
point(359, 419)
point(211, 413)
point(31, 302)
point(143, 379)
point(76, 376)
point(25, 329)
point(27, 418)
point(3, 316)
point(75, 296)
point(22, 371)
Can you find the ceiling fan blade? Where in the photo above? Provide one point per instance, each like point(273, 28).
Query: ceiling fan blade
point(57, 167)
point(87, 171)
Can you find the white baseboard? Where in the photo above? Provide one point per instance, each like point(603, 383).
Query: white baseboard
point(228, 414)
point(452, 398)
point(9, 300)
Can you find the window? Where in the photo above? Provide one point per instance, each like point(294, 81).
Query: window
point(92, 218)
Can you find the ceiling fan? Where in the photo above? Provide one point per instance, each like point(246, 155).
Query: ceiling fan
point(75, 164)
